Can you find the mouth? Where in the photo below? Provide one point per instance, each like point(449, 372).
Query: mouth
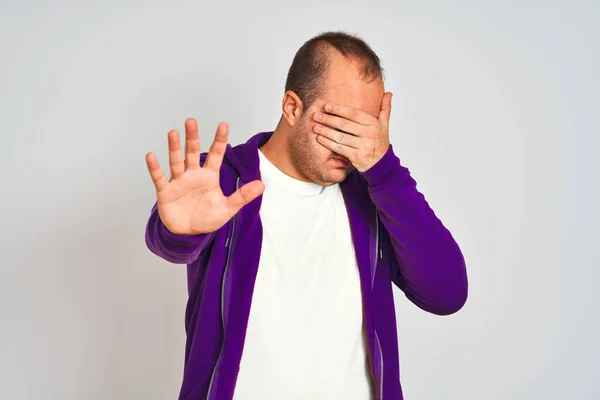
point(342, 160)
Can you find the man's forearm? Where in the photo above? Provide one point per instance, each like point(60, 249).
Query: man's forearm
point(430, 267)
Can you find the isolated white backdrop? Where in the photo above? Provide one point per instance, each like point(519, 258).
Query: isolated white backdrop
point(495, 113)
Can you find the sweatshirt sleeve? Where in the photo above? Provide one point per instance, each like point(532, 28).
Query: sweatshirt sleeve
point(428, 266)
point(175, 248)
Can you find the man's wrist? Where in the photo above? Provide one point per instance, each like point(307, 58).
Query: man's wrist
point(382, 169)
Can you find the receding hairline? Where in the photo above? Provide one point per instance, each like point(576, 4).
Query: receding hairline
point(308, 75)
point(324, 52)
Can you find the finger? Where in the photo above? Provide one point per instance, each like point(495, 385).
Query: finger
point(158, 177)
point(339, 123)
point(175, 158)
point(244, 195)
point(386, 109)
point(336, 147)
point(337, 136)
point(217, 149)
point(192, 144)
point(351, 113)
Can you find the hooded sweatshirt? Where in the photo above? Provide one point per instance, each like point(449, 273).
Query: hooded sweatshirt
point(397, 239)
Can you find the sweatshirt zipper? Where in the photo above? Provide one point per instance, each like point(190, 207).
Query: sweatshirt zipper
point(228, 244)
point(377, 343)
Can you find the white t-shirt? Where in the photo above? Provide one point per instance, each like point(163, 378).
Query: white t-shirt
point(305, 338)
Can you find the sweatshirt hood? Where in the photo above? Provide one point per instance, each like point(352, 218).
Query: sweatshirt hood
point(244, 157)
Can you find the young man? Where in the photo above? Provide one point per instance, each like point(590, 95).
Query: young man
point(292, 241)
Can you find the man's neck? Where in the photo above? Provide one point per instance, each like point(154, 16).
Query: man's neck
point(276, 150)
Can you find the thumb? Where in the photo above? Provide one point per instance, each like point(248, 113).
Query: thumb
point(386, 108)
point(245, 195)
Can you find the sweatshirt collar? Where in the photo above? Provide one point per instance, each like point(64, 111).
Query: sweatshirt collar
point(244, 157)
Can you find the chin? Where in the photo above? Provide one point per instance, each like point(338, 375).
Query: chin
point(333, 176)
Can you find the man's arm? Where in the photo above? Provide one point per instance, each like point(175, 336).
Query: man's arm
point(172, 247)
point(429, 266)
point(191, 206)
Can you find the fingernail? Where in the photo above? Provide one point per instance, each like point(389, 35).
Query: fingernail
point(328, 107)
point(318, 116)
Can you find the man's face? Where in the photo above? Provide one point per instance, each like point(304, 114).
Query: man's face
point(343, 85)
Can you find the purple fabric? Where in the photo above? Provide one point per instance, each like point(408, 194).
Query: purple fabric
point(397, 238)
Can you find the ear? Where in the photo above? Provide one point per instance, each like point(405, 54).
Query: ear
point(291, 108)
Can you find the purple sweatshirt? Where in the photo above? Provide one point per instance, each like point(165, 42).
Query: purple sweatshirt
point(397, 238)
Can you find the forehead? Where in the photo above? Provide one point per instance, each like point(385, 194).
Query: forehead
point(344, 84)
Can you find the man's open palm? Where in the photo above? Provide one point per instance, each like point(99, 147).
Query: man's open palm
point(192, 201)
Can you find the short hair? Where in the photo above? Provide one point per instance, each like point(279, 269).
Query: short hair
point(305, 76)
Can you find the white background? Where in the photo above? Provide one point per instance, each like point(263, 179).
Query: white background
point(495, 113)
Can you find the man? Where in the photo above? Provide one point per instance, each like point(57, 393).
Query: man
point(292, 241)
